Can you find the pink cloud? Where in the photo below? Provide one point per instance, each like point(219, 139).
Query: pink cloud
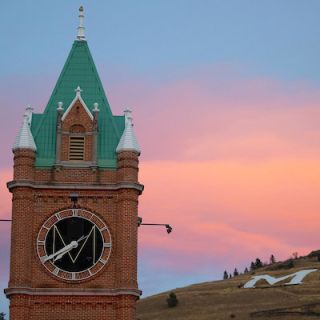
point(226, 212)
point(217, 114)
point(5, 203)
point(5, 227)
point(196, 246)
point(231, 161)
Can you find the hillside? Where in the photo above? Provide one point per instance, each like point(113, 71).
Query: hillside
point(225, 300)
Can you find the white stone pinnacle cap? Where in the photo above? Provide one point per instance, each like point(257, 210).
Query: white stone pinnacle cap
point(128, 141)
point(25, 139)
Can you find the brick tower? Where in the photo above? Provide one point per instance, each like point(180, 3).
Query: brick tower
point(75, 198)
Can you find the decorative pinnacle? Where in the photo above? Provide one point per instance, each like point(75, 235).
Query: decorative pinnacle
point(128, 140)
point(96, 107)
point(78, 91)
point(24, 138)
point(60, 104)
point(81, 36)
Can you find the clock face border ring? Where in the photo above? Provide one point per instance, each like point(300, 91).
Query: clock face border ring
point(66, 214)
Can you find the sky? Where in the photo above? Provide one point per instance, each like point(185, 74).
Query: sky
point(226, 102)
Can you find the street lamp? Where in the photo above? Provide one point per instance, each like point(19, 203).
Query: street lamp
point(74, 198)
point(167, 226)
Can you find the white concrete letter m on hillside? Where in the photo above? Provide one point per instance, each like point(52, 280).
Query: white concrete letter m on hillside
point(297, 278)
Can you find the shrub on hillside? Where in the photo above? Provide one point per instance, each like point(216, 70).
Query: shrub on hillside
point(172, 300)
point(288, 264)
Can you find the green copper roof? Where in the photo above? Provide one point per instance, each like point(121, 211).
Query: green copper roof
point(79, 70)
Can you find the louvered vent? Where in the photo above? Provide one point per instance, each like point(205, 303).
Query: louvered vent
point(76, 148)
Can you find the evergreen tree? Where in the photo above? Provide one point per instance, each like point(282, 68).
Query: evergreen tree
point(230, 276)
point(246, 270)
point(252, 266)
point(172, 300)
point(235, 272)
point(258, 263)
point(272, 259)
point(225, 275)
point(2, 316)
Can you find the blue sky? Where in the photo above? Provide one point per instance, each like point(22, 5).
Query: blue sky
point(278, 38)
point(170, 60)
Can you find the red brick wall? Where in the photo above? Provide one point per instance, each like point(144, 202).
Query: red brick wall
point(72, 308)
point(32, 206)
point(75, 175)
point(23, 167)
point(128, 166)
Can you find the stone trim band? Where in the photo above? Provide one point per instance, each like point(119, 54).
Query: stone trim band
point(71, 292)
point(113, 186)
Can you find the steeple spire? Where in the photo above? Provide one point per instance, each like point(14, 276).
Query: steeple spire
point(81, 36)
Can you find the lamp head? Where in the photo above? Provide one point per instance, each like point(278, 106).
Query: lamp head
point(169, 228)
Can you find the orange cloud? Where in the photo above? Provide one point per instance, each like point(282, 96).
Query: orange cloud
point(231, 210)
point(210, 115)
point(5, 203)
point(231, 162)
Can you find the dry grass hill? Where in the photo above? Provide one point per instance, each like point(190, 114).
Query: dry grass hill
point(226, 299)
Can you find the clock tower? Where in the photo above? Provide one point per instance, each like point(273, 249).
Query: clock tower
point(75, 196)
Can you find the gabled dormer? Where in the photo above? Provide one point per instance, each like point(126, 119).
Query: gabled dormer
point(77, 133)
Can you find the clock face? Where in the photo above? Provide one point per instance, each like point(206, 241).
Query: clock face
point(74, 244)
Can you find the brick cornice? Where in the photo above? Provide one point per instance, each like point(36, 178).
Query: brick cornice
point(111, 186)
point(71, 292)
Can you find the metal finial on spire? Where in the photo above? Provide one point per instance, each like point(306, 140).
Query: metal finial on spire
point(81, 36)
